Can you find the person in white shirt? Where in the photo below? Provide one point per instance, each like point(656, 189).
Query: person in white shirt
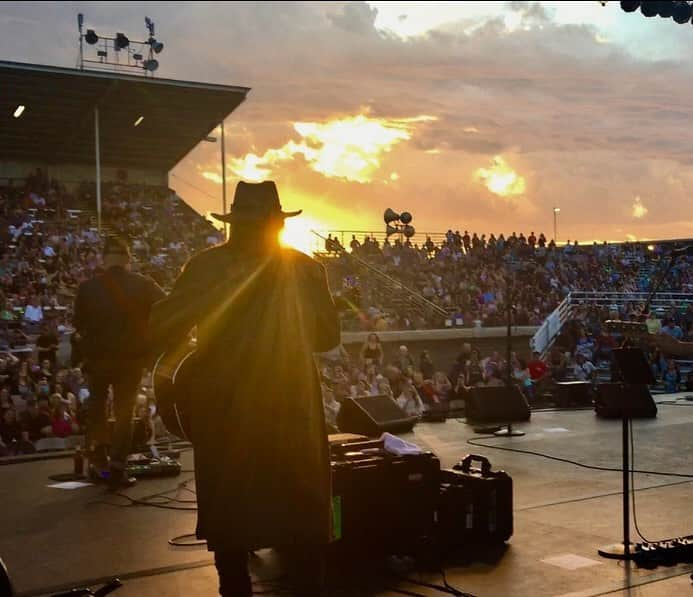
point(583, 369)
point(409, 400)
point(33, 311)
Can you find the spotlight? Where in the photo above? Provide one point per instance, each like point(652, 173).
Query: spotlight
point(150, 65)
point(157, 46)
point(649, 9)
point(665, 9)
point(405, 217)
point(121, 41)
point(629, 6)
point(91, 38)
point(681, 12)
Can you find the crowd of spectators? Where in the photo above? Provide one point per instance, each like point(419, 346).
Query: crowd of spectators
point(473, 278)
point(49, 244)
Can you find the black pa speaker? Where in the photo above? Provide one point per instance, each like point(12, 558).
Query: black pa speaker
point(619, 400)
point(373, 415)
point(496, 404)
point(567, 394)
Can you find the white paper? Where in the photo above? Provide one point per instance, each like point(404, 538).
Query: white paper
point(570, 561)
point(70, 485)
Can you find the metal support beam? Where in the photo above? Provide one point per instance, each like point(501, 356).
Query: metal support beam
point(97, 152)
point(223, 179)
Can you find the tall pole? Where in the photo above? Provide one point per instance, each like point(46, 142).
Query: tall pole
point(223, 179)
point(97, 151)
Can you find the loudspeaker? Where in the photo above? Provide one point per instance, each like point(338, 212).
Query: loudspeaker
point(373, 415)
point(496, 404)
point(619, 400)
point(572, 393)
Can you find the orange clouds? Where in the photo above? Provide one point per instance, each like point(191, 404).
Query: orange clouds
point(349, 148)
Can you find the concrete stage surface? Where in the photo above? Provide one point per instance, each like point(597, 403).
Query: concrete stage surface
point(53, 538)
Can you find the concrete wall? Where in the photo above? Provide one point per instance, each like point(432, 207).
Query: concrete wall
point(444, 345)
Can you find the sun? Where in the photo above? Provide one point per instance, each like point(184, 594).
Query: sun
point(298, 234)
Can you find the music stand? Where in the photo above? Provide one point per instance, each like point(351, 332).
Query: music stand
point(635, 370)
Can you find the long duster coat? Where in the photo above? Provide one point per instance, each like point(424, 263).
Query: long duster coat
point(262, 466)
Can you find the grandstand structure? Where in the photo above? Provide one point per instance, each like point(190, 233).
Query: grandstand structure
point(80, 125)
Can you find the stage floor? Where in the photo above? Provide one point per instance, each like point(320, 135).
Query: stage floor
point(54, 538)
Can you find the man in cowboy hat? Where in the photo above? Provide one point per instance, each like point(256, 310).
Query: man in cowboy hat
point(261, 456)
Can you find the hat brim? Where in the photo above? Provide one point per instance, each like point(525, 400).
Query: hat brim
point(250, 215)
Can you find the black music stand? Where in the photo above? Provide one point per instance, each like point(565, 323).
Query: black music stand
point(635, 370)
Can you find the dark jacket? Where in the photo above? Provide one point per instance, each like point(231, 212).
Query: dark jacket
point(262, 465)
point(111, 316)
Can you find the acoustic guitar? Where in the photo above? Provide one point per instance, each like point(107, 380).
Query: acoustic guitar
point(172, 382)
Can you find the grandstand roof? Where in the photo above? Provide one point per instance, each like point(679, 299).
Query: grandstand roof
point(57, 125)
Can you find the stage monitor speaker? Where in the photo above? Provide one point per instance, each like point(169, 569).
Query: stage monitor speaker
point(567, 394)
point(372, 416)
point(619, 400)
point(496, 404)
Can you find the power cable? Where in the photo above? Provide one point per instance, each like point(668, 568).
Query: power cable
point(473, 441)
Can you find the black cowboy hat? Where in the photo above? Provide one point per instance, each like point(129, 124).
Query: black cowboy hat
point(255, 201)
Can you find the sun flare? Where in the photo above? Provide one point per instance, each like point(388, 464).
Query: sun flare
point(298, 234)
point(500, 178)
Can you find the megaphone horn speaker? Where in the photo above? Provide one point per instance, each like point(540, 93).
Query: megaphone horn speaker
point(390, 215)
point(391, 230)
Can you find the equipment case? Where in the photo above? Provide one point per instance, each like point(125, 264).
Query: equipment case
point(384, 503)
point(475, 505)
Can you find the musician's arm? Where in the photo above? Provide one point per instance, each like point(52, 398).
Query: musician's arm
point(172, 318)
point(670, 345)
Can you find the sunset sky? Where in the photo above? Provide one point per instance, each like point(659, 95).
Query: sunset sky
point(477, 116)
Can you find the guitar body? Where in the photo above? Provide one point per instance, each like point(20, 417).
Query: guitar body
point(171, 378)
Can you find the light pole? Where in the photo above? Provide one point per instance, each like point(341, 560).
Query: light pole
point(212, 139)
point(556, 211)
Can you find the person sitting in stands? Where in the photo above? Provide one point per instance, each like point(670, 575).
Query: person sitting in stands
point(558, 363)
point(372, 351)
point(409, 400)
point(426, 365)
point(62, 423)
point(583, 369)
point(671, 377)
point(36, 420)
point(10, 432)
point(474, 374)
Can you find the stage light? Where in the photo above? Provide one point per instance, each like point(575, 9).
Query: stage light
point(681, 12)
point(91, 38)
point(157, 46)
point(665, 9)
point(139, 121)
point(405, 217)
point(151, 65)
point(121, 41)
point(19, 110)
point(649, 9)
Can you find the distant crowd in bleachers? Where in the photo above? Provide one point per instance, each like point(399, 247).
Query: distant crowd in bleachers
point(49, 244)
point(471, 276)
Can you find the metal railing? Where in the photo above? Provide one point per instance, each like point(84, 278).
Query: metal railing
point(550, 328)
point(345, 236)
point(391, 285)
